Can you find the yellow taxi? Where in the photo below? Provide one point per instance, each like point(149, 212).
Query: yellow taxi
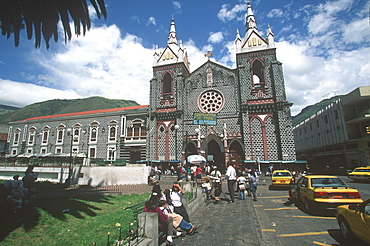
point(354, 220)
point(281, 178)
point(323, 192)
point(360, 174)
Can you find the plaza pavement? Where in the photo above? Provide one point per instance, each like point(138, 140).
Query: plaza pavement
point(225, 223)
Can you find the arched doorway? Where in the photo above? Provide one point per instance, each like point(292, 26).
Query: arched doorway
point(216, 153)
point(236, 153)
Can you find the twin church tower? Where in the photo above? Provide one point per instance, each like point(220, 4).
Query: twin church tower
point(244, 114)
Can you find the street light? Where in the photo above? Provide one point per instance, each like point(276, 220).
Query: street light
point(258, 161)
point(177, 127)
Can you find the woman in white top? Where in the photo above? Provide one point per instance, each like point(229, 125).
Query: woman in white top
point(176, 197)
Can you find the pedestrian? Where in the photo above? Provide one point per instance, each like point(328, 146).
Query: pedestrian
point(159, 172)
point(216, 184)
point(176, 198)
point(193, 170)
point(231, 180)
point(198, 175)
point(253, 185)
point(242, 187)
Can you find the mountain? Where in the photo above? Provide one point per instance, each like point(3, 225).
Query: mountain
point(6, 109)
point(62, 106)
point(312, 109)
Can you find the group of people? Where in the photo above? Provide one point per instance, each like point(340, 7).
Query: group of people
point(244, 182)
point(20, 192)
point(171, 212)
point(241, 179)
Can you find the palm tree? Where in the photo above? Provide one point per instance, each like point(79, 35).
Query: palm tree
point(41, 17)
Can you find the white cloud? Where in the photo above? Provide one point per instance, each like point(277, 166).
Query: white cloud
point(101, 63)
point(275, 13)
point(20, 94)
point(309, 78)
point(215, 37)
point(234, 13)
point(357, 31)
point(151, 21)
point(176, 5)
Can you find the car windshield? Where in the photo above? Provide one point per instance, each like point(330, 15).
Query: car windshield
point(362, 170)
point(327, 182)
point(281, 174)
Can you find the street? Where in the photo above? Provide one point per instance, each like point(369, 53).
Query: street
point(272, 220)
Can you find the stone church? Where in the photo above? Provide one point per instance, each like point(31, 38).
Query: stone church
point(238, 115)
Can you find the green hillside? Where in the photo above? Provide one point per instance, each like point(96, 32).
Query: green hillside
point(62, 106)
point(6, 109)
point(312, 109)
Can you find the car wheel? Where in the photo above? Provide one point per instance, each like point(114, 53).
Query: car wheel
point(345, 229)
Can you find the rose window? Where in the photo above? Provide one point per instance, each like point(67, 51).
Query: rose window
point(210, 101)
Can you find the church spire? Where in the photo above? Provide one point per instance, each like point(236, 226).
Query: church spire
point(250, 22)
point(172, 39)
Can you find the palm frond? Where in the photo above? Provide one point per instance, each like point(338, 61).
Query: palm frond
point(41, 17)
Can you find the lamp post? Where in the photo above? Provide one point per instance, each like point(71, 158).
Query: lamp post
point(258, 161)
point(73, 137)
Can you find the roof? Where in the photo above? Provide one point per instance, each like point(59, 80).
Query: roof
point(85, 113)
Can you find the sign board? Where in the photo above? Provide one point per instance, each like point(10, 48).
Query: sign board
point(205, 119)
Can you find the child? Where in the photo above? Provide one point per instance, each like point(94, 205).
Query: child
point(241, 182)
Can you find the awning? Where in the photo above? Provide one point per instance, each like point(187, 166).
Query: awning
point(196, 159)
point(42, 154)
point(10, 156)
point(25, 155)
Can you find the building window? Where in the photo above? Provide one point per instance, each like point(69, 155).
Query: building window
point(60, 136)
point(16, 137)
point(92, 153)
point(111, 154)
point(167, 85)
point(211, 101)
point(258, 74)
point(137, 131)
point(112, 133)
point(31, 136)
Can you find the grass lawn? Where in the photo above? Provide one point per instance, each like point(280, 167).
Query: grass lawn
point(87, 221)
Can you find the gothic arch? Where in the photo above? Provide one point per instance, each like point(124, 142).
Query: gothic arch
point(258, 73)
point(167, 85)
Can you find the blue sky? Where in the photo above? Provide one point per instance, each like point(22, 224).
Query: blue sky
point(324, 47)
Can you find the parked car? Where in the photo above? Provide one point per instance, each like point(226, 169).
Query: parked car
point(354, 220)
point(281, 178)
point(323, 192)
point(360, 174)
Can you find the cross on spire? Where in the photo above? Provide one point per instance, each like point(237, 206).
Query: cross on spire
point(208, 54)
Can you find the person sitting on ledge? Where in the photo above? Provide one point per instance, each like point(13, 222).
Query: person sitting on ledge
point(165, 221)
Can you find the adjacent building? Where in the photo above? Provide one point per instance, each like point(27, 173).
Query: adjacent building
point(107, 135)
point(337, 135)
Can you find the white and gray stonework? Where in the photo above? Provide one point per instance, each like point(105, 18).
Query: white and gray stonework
point(253, 114)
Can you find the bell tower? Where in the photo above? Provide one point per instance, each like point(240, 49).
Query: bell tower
point(170, 66)
point(268, 132)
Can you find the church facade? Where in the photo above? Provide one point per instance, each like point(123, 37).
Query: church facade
point(245, 114)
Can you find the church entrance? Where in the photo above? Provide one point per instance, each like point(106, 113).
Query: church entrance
point(216, 154)
point(236, 154)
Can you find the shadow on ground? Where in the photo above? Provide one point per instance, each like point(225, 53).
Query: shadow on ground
point(29, 216)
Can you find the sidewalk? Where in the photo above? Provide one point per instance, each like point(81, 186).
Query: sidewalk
point(225, 224)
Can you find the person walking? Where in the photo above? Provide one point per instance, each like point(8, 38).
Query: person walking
point(231, 180)
point(242, 186)
point(253, 185)
point(216, 184)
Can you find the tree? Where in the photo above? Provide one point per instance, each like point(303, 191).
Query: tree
point(41, 17)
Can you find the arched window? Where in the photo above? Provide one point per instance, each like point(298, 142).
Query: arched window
point(112, 133)
point(167, 85)
point(258, 74)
